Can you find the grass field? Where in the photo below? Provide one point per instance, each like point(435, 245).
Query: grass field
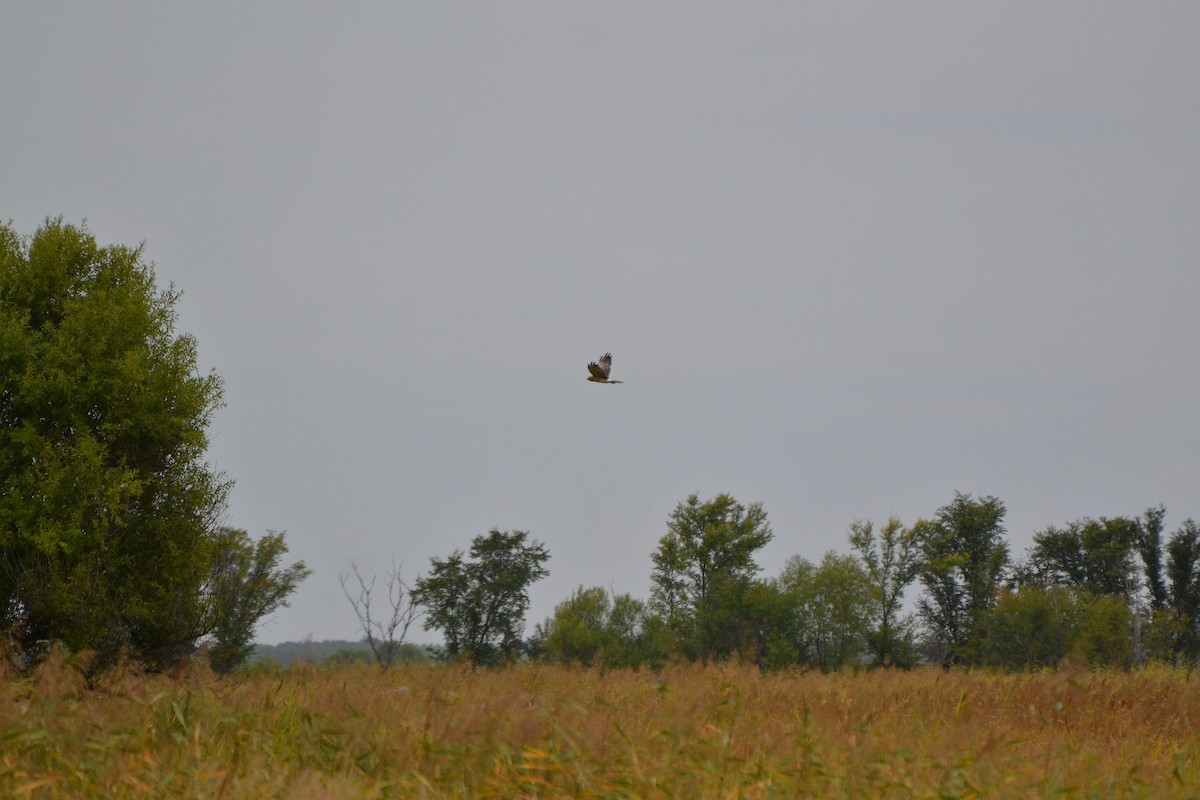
point(531, 731)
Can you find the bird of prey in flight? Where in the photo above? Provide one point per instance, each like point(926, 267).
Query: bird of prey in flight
point(600, 371)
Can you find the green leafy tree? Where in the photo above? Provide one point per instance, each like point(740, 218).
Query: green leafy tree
point(768, 626)
point(1096, 556)
point(1150, 548)
point(1183, 573)
point(595, 627)
point(246, 584)
point(1105, 631)
point(579, 632)
point(643, 635)
point(703, 570)
point(479, 602)
point(963, 557)
point(793, 638)
point(1043, 625)
point(891, 560)
point(1099, 558)
point(722, 619)
point(107, 507)
point(832, 602)
point(1161, 635)
point(1033, 626)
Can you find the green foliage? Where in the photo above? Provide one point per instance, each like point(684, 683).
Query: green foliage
point(716, 630)
point(580, 629)
point(703, 570)
point(831, 605)
point(346, 656)
point(1183, 572)
point(405, 653)
point(592, 627)
point(1034, 626)
point(963, 556)
point(245, 585)
point(1149, 545)
point(767, 622)
point(1160, 636)
point(1105, 631)
point(1098, 560)
point(1043, 625)
point(1096, 556)
point(479, 603)
point(891, 561)
point(107, 507)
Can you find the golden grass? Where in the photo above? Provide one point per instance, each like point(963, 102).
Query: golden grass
point(533, 731)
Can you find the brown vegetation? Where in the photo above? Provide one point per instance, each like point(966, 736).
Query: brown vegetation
point(532, 731)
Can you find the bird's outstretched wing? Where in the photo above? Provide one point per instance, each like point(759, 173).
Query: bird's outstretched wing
point(601, 370)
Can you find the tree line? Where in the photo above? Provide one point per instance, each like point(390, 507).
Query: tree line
point(1098, 592)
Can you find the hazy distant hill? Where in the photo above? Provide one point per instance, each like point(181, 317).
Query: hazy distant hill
point(286, 653)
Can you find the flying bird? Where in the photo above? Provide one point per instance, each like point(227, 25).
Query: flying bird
point(600, 371)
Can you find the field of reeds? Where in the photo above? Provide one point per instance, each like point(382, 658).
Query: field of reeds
point(534, 731)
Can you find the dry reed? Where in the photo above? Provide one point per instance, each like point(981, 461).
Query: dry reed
point(533, 731)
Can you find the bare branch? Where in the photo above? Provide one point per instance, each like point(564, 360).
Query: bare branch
point(383, 637)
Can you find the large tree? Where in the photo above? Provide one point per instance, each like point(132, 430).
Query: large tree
point(1183, 570)
point(1096, 556)
point(1032, 626)
point(107, 506)
point(246, 583)
point(831, 602)
point(479, 602)
point(703, 570)
point(1149, 545)
point(597, 627)
point(963, 557)
point(891, 561)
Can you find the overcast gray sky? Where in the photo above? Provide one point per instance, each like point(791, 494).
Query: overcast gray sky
point(849, 259)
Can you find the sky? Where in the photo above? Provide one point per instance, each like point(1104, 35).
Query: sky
point(849, 258)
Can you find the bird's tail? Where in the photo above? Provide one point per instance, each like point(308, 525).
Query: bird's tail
point(616, 381)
